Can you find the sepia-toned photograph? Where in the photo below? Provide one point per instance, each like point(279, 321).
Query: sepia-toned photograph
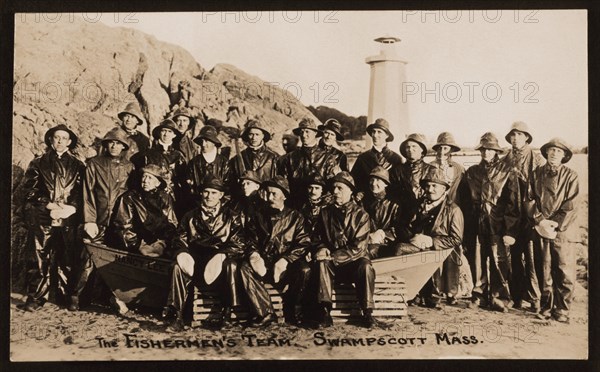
point(300, 185)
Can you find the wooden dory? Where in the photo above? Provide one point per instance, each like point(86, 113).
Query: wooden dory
point(141, 280)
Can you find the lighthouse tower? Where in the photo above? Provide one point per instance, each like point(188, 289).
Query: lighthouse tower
point(385, 91)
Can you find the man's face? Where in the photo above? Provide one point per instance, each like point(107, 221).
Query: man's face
point(377, 185)
point(443, 150)
point(315, 192)
point(211, 197)
point(61, 140)
point(308, 137)
point(248, 187)
point(183, 123)
point(255, 137)
point(275, 197)
point(487, 155)
point(341, 193)
point(434, 191)
point(555, 156)
point(207, 146)
point(329, 137)
point(166, 135)
point(379, 137)
point(518, 139)
point(413, 151)
point(149, 182)
point(289, 144)
point(130, 121)
point(114, 148)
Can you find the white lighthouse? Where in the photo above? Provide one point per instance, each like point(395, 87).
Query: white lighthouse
point(385, 92)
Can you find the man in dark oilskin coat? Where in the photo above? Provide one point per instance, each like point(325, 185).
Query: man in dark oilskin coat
point(384, 215)
point(278, 242)
point(107, 177)
point(144, 220)
point(555, 190)
point(186, 124)
point(304, 162)
point(209, 163)
point(332, 134)
point(131, 118)
point(208, 246)
point(522, 161)
point(52, 186)
point(405, 178)
point(438, 224)
point(342, 234)
point(256, 156)
point(487, 206)
point(378, 155)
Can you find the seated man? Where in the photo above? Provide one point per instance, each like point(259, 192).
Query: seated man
point(250, 201)
point(342, 231)
point(144, 220)
point(317, 199)
point(208, 245)
point(278, 241)
point(384, 215)
point(438, 224)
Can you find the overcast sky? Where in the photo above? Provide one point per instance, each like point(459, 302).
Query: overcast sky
point(532, 63)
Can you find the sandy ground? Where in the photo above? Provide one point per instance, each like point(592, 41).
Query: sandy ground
point(455, 331)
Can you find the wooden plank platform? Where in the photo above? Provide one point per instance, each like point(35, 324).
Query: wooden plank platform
point(390, 302)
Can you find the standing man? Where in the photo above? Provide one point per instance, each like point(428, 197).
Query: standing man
point(555, 190)
point(486, 208)
point(186, 124)
point(342, 234)
point(208, 245)
point(209, 163)
point(438, 224)
point(107, 177)
point(131, 118)
point(378, 155)
point(384, 215)
point(521, 161)
point(306, 161)
point(406, 178)
point(144, 220)
point(52, 187)
point(256, 157)
point(278, 241)
point(454, 171)
point(332, 134)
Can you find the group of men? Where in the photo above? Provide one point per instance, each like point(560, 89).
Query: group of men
point(302, 219)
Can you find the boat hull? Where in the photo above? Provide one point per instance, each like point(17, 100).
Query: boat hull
point(133, 278)
point(141, 280)
point(415, 268)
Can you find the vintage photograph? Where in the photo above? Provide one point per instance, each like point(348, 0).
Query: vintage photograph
point(300, 185)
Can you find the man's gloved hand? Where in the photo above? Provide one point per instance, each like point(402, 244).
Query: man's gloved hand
point(377, 237)
point(91, 229)
point(186, 262)
point(508, 240)
point(323, 254)
point(214, 267)
point(258, 264)
point(422, 241)
point(547, 229)
point(279, 269)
